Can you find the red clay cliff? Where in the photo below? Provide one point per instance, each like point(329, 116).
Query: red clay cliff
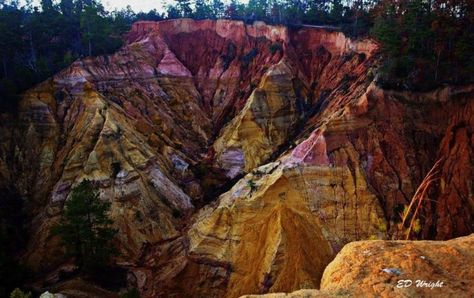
point(238, 159)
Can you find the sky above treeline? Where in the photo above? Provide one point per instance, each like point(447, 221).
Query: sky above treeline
point(136, 5)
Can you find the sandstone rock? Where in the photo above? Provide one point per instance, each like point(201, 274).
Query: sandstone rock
point(341, 179)
point(51, 295)
point(357, 268)
point(288, 220)
point(151, 110)
point(423, 269)
point(281, 135)
point(296, 294)
point(79, 288)
point(286, 96)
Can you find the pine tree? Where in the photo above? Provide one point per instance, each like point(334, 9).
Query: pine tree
point(217, 8)
point(231, 10)
point(336, 11)
point(85, 229)
point(202, 10)
point(386, 30)
point(184, 8)
point(172, 12)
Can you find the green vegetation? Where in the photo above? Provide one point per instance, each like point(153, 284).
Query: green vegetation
point(252, 185)
point(36, 42)
point(379, 223)
point(85, 229)
point(131, 293)
point(426, 43)
point(411, 225)
point(276, 47)
point(17, 293)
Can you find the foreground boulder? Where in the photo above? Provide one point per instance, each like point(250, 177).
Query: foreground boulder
point(397, 269)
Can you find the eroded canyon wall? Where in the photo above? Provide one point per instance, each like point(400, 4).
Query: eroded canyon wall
point(288, 123)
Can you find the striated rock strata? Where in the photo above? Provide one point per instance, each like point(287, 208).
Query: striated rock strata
point(397, 269)
point(238, 158)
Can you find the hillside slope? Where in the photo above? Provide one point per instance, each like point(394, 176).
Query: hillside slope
point(238, 158)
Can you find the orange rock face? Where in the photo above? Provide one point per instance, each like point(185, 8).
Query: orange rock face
point(397, 269)
point(239, 159)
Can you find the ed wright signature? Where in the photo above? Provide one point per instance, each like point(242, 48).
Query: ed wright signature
point(406, 283)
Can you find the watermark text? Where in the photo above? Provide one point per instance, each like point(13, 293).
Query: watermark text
point(406, 283)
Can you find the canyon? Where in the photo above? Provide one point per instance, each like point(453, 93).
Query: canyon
point(240, 159)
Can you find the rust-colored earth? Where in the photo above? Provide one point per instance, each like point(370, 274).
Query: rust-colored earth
point(239, 159)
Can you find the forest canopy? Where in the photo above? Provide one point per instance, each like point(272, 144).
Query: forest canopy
point(425, 43)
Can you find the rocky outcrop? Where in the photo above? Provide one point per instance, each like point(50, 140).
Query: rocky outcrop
point(348, 179)
point(242, 164)
point(314, 65)
point(397, 269)
point(120, 129)
point(272, 218)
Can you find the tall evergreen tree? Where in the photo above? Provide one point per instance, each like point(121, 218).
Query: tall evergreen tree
point(67, 7)
point(172, 12)
point(231, 11)
point(85, 228)
point(336, 11)
point(46, 5)
point(217, 7)
point(184, 8)
point(202, 10)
